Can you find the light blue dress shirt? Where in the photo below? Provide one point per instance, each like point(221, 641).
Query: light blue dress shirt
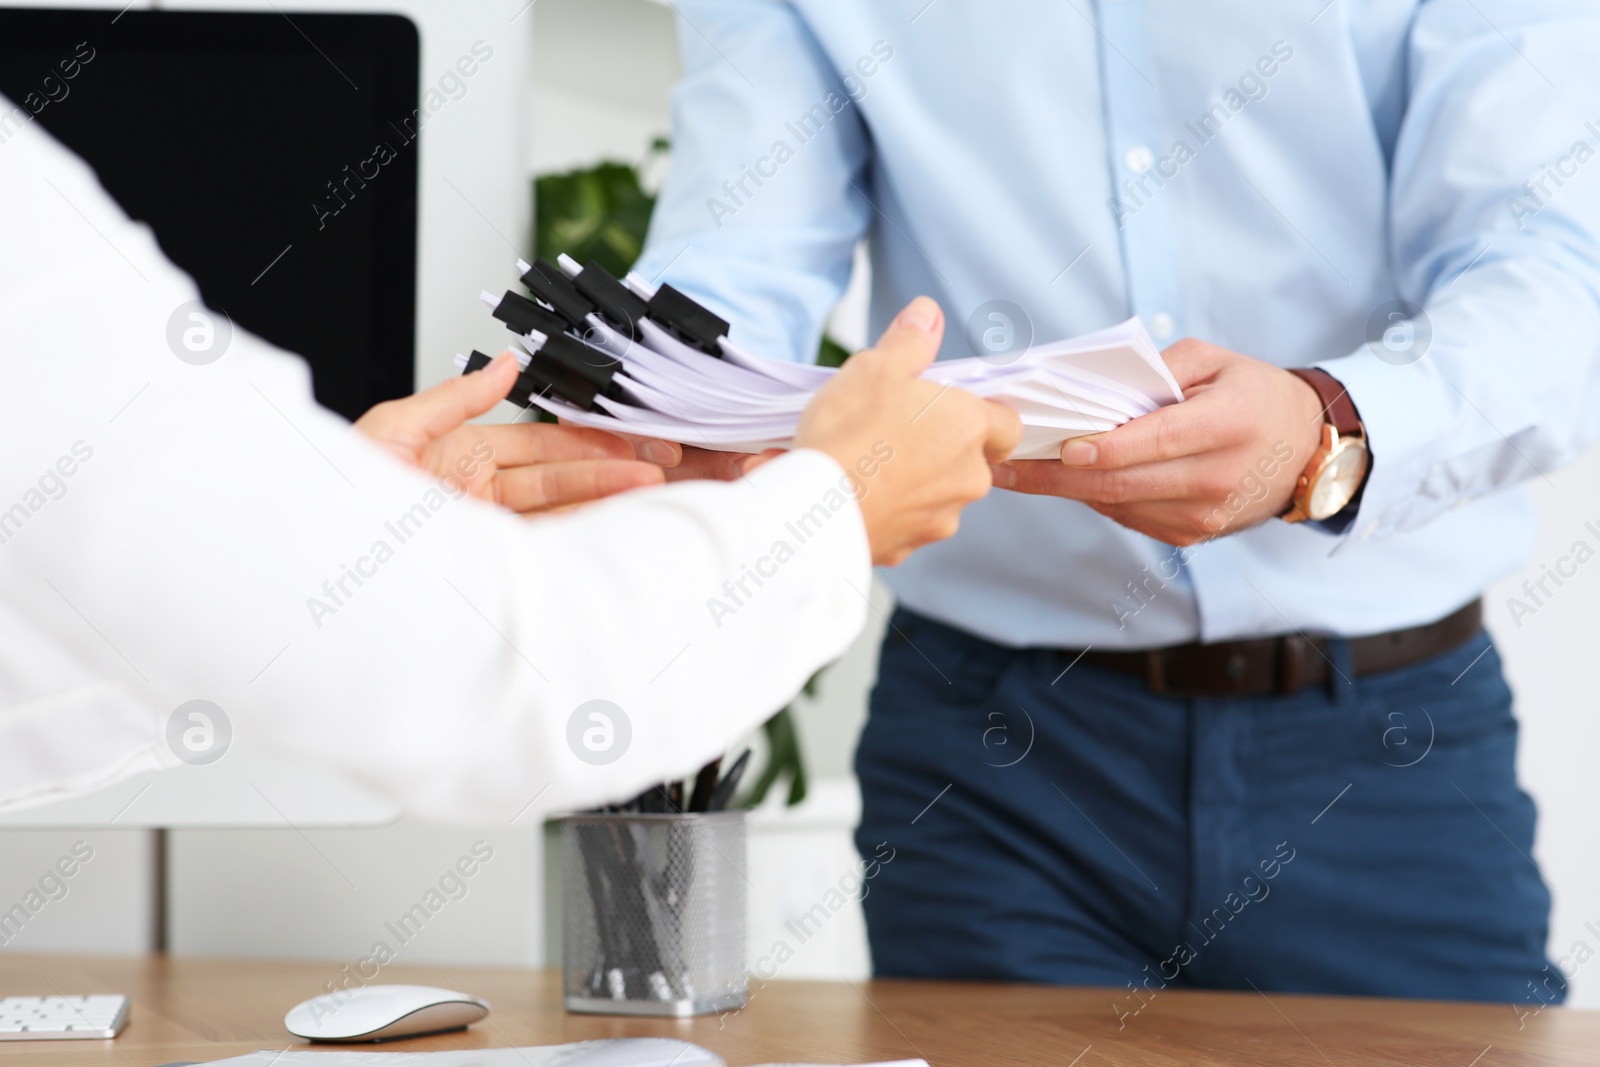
point(1266, 175)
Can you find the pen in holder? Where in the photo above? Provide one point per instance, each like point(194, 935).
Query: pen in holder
point(653, 913)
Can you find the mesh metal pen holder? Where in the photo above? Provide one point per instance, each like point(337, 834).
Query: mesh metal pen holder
point(653, 913)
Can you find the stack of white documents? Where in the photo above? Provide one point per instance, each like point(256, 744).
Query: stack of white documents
point(743, 402)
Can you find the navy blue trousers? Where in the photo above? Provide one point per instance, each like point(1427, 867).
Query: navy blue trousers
point(1364, 838)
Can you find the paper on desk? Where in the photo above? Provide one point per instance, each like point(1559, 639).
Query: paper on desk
point(883, 1063)
point(616, 1052)
point(745, 403)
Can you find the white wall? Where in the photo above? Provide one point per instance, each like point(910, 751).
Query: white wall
point(584, 80)
point(601, 73)
point(1551, 659)
point(333, 894)
point(80, 890)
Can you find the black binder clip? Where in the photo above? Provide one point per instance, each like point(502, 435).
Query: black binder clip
point(584, 364)
point(546, 282)
point(541, 378)
point(564, 368)
point(619, 307)
point(692, 323)
point(522, 316)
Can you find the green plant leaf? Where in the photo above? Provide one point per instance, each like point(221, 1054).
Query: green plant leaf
point(831, 353)
point(783, 760)
point(600, 213)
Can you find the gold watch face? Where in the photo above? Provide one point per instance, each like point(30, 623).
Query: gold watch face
point(1337, 481)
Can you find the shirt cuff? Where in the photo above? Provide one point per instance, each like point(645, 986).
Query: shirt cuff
point(1403, 409)
point(819, 508)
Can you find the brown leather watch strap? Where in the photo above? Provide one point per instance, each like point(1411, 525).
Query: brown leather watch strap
point(1337, 407)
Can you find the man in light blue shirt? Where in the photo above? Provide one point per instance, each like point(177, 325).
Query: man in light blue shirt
point(1402, 193)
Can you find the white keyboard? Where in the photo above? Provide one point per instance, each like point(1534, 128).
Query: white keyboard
point(45, 1018)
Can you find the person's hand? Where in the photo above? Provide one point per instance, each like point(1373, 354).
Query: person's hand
point(683, 463)
point(1225, 459)
point(527, 467)
point(916, 451)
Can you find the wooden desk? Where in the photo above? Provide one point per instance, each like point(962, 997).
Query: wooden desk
point(197, 1009)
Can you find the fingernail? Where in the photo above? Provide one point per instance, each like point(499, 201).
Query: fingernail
point(1005, 476)
point(1079, 454)
point(921, 314)
point(660, 453)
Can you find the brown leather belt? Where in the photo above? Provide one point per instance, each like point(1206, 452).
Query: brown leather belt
point(1281, 665)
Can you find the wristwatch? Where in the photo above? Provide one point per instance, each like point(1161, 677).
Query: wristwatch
point(1338, 467)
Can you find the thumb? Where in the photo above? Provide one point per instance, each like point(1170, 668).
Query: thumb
point(911, 342)
point(447, 405)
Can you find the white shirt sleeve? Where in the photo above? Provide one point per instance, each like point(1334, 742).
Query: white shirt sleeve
point(171, 532)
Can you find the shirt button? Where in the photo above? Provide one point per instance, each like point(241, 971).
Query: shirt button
point(1162, 325)
point(1139, 158)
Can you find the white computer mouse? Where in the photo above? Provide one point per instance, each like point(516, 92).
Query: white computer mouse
point(383, 1013)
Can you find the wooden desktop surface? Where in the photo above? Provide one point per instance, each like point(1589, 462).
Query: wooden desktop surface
point(204, 1009)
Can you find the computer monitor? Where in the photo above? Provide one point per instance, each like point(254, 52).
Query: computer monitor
point(274, 156)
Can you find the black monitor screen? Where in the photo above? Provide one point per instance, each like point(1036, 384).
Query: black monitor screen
point(274, 157)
